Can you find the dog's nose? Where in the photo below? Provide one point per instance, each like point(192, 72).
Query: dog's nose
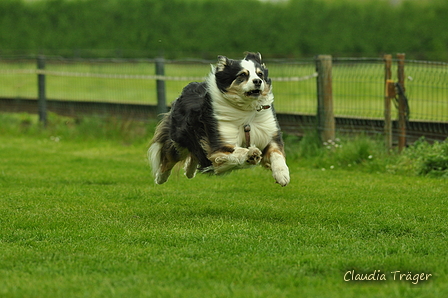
point(257, 82)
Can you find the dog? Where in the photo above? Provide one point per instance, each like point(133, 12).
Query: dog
point(223, 124)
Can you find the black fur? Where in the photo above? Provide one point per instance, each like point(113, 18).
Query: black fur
point(191, 119)
point(225, 78)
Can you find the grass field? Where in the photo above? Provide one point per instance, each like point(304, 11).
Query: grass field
point(81, 217)
point(358, 89)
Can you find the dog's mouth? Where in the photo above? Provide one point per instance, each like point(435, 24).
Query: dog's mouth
point(253, 93)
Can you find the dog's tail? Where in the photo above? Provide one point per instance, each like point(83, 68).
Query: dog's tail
point(161, 137)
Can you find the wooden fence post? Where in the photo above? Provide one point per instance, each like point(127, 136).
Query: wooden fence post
point(389, 93)
point(325, 115)
point(41, 96)
point(401, 105)
point(160, 85)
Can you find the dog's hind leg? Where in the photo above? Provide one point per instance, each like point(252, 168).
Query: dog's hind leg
point(191, 165)
point(163, 157)
point(164, 173)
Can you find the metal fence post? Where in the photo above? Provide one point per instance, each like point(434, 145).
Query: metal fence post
point(389, 93)
point(401, 105)
point(160, 84)
point(41, 96)
point(325, 115)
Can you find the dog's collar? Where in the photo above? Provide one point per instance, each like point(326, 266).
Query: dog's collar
point(263, 107)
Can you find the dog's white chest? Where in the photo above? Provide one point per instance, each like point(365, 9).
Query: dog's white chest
point(262, 129)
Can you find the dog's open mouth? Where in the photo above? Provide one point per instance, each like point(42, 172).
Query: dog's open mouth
point(253, 93)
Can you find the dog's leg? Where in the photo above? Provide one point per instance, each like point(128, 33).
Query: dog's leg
point(280, 170)
point(191, 165)
point(253, 156)
point(274, 159)
point(162, 175)
point(163, 157)
point(238, 158)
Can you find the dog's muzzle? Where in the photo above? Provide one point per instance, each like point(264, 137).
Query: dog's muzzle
point(253, 93)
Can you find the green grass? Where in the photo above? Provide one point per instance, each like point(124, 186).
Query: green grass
point(358, 88)
point(80, 216)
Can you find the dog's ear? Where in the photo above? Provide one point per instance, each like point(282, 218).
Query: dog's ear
point(223, 61)
point(253, 56)
point(266, 74)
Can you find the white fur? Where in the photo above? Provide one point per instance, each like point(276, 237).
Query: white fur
point(240, 101)
point(250, 66)
point(154, 154)
point(190, 167)
point(238, 159)
point(154, 157)
point(280, 170)
point(232, 119)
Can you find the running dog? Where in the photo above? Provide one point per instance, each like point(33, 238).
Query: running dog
point(226, 123)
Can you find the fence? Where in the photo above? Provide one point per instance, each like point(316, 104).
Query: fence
point(341, 95)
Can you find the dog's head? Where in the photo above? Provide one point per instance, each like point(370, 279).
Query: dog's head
point(245, 82)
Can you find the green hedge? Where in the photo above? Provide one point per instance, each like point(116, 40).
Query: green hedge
point(176, 28)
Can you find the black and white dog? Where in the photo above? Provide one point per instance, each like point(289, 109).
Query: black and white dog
point(225, 123)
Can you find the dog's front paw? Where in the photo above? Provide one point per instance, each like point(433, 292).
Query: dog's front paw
point(280, 170)
point(281, 175)
point(253, 156)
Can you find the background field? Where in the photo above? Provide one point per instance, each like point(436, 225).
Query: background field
point(80, 216)
point(358, 84)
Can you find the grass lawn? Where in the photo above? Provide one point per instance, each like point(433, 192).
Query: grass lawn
point(82, 218)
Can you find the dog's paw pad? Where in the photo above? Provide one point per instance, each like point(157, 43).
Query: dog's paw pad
point(253, 156)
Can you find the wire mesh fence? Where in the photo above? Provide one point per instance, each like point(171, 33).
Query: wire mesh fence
point(427, 90)
point(358, 89)
point(358, 86)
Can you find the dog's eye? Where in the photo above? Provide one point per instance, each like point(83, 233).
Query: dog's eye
point(260, 74)
point(242, 75)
